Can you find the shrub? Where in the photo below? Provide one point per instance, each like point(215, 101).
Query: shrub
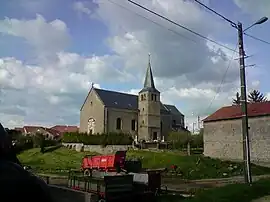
point(23, 143)
point(98, 139)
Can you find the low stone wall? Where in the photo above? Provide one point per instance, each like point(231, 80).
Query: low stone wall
point(62, 194)
point(97, 148)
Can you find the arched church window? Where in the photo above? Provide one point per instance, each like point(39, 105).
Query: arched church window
point(91, 126)
point(118, 123)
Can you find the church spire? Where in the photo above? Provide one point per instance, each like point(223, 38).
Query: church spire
point(149, 80)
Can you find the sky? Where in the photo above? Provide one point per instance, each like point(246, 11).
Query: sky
point(51, 51)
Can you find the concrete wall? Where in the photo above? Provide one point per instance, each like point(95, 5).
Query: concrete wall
point(126, 117)
point(223, 139)
point(61, 194)
point(93, 108)
point(97, 148)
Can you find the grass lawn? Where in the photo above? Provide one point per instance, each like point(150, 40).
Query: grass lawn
point(233, 193)
point(57, 161)
point(191, 167)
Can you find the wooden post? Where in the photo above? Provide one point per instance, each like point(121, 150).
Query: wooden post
point(188, 148)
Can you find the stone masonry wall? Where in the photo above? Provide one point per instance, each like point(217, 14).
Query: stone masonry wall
point(62, 194)
point(223, 139)
point(97, 148)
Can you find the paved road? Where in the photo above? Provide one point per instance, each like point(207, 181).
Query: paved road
point(178, 185)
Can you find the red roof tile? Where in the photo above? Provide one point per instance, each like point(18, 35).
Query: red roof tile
point(233, 112)
point(19, 129)
point(63, 129)
point(53, 132)
point(32, 129)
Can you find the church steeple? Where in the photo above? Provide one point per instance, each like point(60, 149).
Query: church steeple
point(149, 84)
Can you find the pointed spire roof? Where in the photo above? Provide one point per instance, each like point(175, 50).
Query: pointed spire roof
point(149, 84)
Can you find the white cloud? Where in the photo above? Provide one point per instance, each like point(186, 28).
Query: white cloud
point(253, 7)
point(268, 96)
point(81, 7)
point(46, 38)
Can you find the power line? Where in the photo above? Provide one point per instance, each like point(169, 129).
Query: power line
point(220, 15)
point(222, 80)
point(258, 39)
point(160, 25)
point(183, 27)
point(231, 22)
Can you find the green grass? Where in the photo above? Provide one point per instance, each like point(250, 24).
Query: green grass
point(233, 193)
point(57, 161)
point(195, 166)
point(191, 167)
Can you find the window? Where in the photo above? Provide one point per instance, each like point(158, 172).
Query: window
point(144, 96)
point(174, 122)
point(161, 126)
point(155, 136)
point(133, 124)
point(152, 96)
point(91, 103)
point(91, 126)
point(141, 97)
point(118, 123)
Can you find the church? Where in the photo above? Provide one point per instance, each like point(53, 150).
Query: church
point(143, 115)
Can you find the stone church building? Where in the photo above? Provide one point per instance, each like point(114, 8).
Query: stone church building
point(142, 116)
point(223, 133)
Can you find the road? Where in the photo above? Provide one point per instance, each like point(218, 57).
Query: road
point(178, 185)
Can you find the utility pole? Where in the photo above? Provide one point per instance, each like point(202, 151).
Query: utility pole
point(245, 129)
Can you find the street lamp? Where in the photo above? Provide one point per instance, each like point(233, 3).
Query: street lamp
point(260, 21)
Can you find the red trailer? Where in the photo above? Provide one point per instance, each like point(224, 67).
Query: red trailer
point(108, 163)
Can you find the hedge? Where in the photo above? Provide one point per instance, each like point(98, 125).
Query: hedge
point(98, 139)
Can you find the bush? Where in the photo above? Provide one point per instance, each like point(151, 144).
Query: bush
point(180, 140)
point(23, 143)
point(98, 139)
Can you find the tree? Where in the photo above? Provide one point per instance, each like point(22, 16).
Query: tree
point(236, 100)
point(256, 96)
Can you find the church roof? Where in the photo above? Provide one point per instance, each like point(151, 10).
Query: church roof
point(149, 85)
point(173, 109)
point(118, 100)
point(128, 101)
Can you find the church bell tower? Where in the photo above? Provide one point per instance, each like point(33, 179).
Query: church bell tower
point(149, 109)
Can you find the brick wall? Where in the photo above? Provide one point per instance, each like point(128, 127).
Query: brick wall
point(223, 139)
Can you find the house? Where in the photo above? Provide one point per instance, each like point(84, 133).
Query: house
point(32, 130)
point(65, 128)
point(143, 115)
point(223, 132)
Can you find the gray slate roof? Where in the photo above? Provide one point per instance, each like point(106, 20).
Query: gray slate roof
point(173, 109)
point(149, 85)
point(128, 101)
